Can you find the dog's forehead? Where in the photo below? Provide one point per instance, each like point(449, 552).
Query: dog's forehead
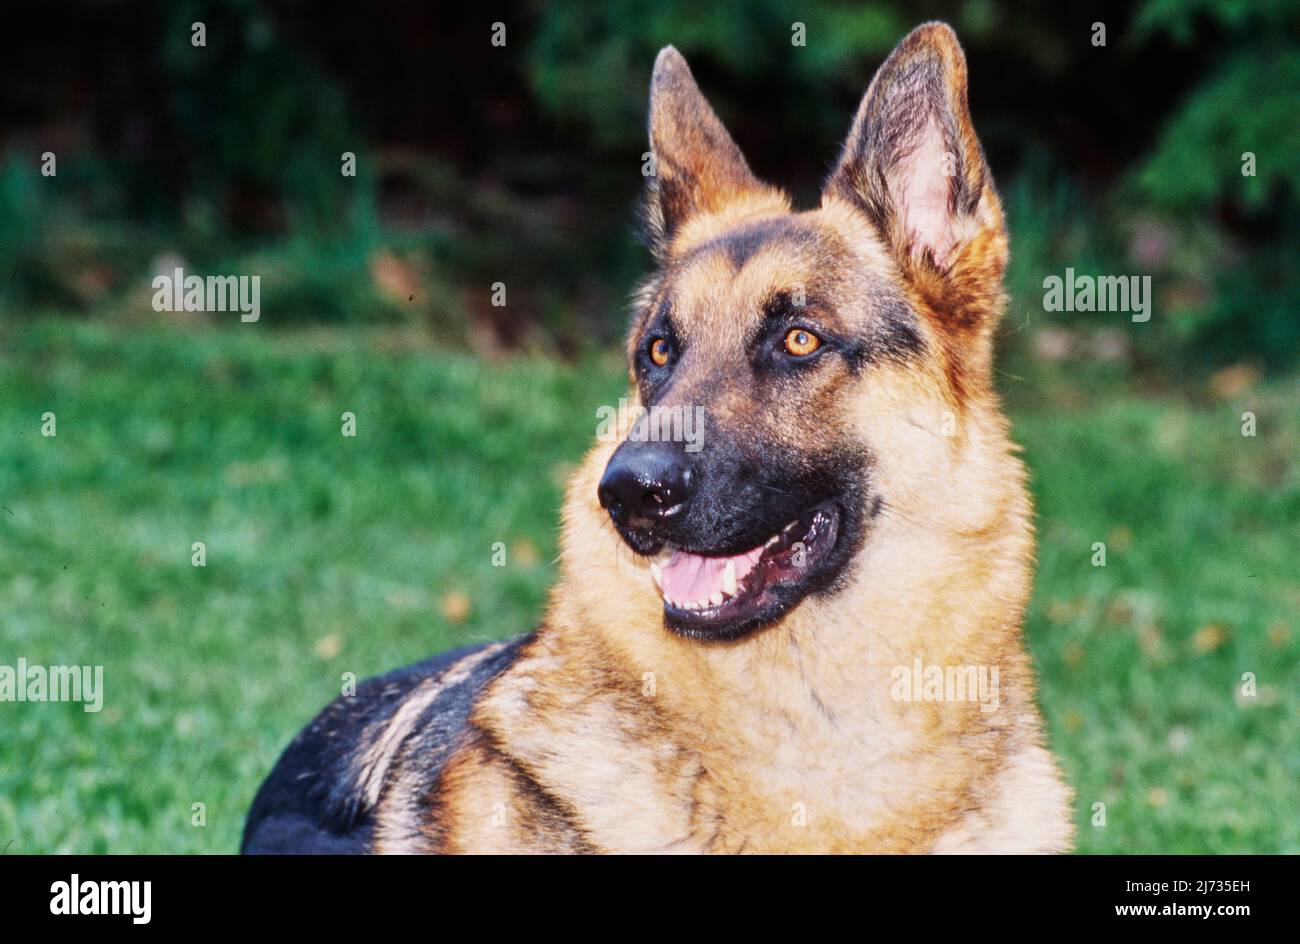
point(720, 286)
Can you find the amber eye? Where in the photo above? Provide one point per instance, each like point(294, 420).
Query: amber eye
point(801, 343)
point(660, 351)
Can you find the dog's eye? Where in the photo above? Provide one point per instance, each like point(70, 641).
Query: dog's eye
point(660, 351)
point(800, 342)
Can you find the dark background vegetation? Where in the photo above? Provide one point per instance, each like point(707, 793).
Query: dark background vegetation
point(521, 164)
point(329, 555)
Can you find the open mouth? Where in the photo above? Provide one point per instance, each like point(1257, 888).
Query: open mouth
point(722, 597)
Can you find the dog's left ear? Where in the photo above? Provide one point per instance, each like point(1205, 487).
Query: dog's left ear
point(698, 169)
point(913, 165)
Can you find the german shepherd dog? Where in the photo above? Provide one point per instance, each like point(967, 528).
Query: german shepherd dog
point(746, 678)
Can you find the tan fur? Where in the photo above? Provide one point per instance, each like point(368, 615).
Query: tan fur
point(790, 740)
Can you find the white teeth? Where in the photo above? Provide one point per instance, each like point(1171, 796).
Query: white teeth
point(716, 600)
point(729, 579)
point(656, 574)
point(772, 540)
point(686, 605)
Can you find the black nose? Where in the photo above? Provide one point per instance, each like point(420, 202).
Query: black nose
point(645, 482)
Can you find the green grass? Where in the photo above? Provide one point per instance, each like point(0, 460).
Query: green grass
point(328, 555)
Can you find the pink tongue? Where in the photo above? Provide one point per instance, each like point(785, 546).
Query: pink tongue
point(689, 578)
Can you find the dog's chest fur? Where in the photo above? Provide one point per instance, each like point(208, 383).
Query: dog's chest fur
point(557, 764)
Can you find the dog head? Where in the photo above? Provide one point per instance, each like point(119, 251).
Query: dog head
point(805, 373)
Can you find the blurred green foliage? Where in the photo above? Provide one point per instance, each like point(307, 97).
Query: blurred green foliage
point(587, 63)
point(521, 164)
point(1232, 146)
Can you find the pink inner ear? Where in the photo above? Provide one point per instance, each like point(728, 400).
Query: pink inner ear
point(921, 186)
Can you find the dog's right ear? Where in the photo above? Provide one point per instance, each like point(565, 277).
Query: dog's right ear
point(695, 168)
